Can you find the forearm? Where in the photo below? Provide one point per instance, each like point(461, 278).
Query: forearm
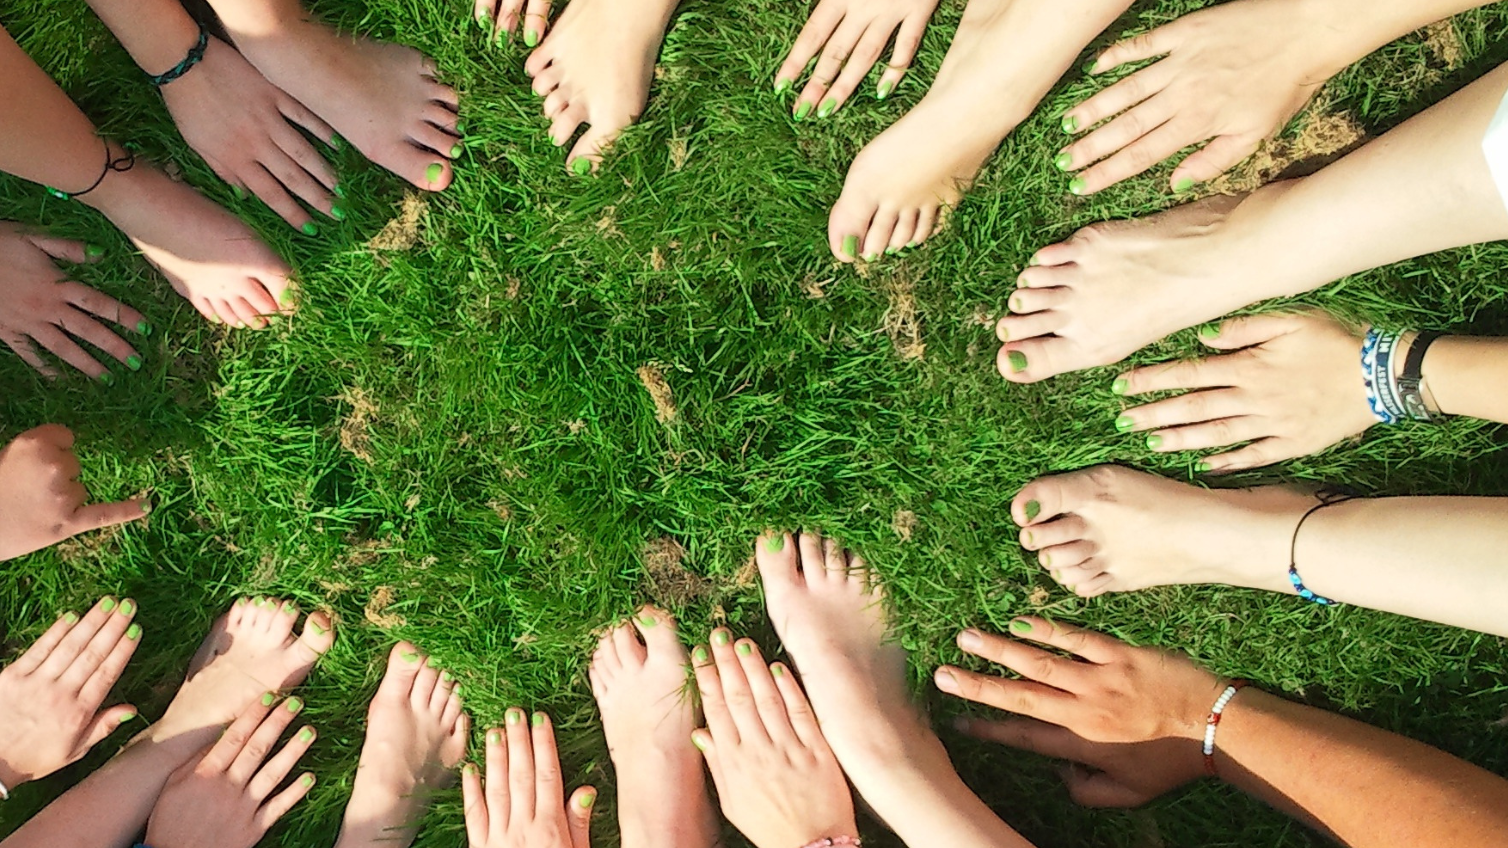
point(1368, 787)
point(43, 135)
point(1463, 375)
point(1350, 29)
point(157, 33)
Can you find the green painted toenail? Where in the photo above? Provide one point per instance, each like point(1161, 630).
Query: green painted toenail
point(1120, 386)
point(337, 213)
point(803, 109)
point(648, 620)
point(581, 167)
point(125, 718)
point(891, 251)
point(1124, 423)
point(851, 246)
point(910, 244)
point(1063, 161)
point(782, 86)
point(128, 607)
point(71, 617)
point(410, 656)
point(720, 637)
point(108, 605)
point(484, 20)
point(537, 720)
point(1033, 509)
point(310, 229)
point(133, 362)
point(107, 378)
point(587, 800)
point(870, 257)
point(1183, 185)
point(267, 699)
point(294, 705)
point(315, 629)
point(886, 86)
point(460, 127)
point(445, 677)
point(338, 191)
point(93, 251)
point(1021, 626)
point(744, 649)
point(1076, 186)
point(133, 632)
point(700, 654)
point(1090, 65)
point(433, 172)
point(457, 149)
point(1154, 442)
point(531, 37)
point(143, 328)
point(258, 601)
point(828, 107)
point(775, 544)
point(1070, 124)
point(1209, 331)
point(1203, 467)
point(697, 740)
point(1046, 559)
point(305, 735)
point(1017, 360)
point(433, 663)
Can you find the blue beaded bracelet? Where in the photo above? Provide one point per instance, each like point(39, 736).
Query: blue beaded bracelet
point(1327, 497)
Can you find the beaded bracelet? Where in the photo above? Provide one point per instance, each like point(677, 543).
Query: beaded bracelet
point(1377, 375)
point(836, 842)
point(125, 163)
point(194, 57)
point(1328, 497)
point(1213, 723)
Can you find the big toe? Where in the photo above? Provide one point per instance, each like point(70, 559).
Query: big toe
point(586, 156)
point(658, 630)
point(403, 664)
point(775, 555)
point(848, 226)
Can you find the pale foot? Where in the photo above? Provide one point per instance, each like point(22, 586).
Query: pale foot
point(594, 68)
point(1116, 287)
point(249, 652)
point(648, 714)
point(382, 98)
point(416, 737)
point(1111, 529)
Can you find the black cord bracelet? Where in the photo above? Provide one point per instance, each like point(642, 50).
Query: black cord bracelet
point(119, 165)
point(194, 57)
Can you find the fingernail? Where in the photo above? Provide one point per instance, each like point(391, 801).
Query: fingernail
point(143, 328)
point(337, 213)
point(514, 716)
point(239, 192)
point(457, 149)
point(851, 246)
point(133, 632)
point(1070, 124)
point(827, 108)
point(306, 781)
point(1124, 423)
point(777, 670)
point(945, 681)
point(294, 705)
point(1017, 360)
point(1063, 160)
point(698, 742)
point(133, 362)
point(587, 800)
point(267, 699)
point(775, 544)
point(93, 251)
point(1033, 509)
point(1203, 467)
point(1120, 386)
point(1076, 186)
point(125, 718)
point(338, 191)
point(744, 649)
point(460, 127)
point(700, 654)
point(433, 172)
point(494, 737)
point(1154, 442)
point(108, 604)
point(803, 109)
point(1183, 185)
point(310, 229)
point(468, 768)
point(886, 86)
point(71, 617)
point(969, 640)
point(128, 607)
point(782, 86)
point(531, 37)
point(107, 378)
point(1209, 331)
point(1021, 626)
point(648, 620)
point(446, 677)
point(720, 637)
point(337, 142)
point(581, 167)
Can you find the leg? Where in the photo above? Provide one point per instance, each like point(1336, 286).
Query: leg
point(1110, 529)
point(1113, 288)
point(416, 734)
point(649, 716)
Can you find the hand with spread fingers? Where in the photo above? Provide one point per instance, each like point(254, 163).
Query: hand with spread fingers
point(52, 694)
point(41, 307)
point(777, 779)
point(851, 36)
point(1289, 386)
point(231, 796)
point(522, 802)
point(42, 501)
point(498, 18)
point(1133, 719)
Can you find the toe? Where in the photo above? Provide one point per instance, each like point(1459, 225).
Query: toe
point(1095, 586)
point(592, 145)
point(775, 554)
point(1054, 255)
point(877, 237)
point(1047, 498)
point(403, 664)
point(441, 696)
point(565, 124)
point(318, 634)
point(631, 652)
point(425, 681)
point(813, 560)
point(1066, 555)
point(904, 232)
point(547, 81)
point(419, 166)
point(540, 59)
point(658, 630)
point(848, 225)
point(1059, 531)
point(557, 102)
point(427, 135)
point(834, 561)
point(284, 616)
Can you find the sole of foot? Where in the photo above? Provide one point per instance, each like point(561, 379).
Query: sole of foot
point(594, 69)
point(640, 677)
point(417, 733)
point(1111, 529)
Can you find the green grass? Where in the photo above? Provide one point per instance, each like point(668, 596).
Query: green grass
point(513, 470)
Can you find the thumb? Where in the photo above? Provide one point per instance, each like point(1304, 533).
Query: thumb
point(1247, 331)
point(96, 516)
point(579, 816)
point(1212, 160)
point(106, 722)
point(1098, 789)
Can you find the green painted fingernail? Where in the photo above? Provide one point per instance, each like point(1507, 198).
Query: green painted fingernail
point(1017, 360)
point(337, 142)
point(1124, 423)
point(1203, 467)
point(537, 720)
point(885, 88)
point(587, 800)
point(1033, 509)
point(851, 246)
point(128, 607)
point(337, 213)
point(494, 737)
point(1070, 124)
point(828, 107)
point(460, 127)
point(1076, 186)
point(744, 649)
point(803, 109)
point(446, 677)
point(1183, 185)
point(125, 718)
point(777, 670)
point(700, 744)
point(1120, 386)
point(700, 654)
point(1154, 442)
point(108, 604)
point(71, 617)
point(1063, 160)
point(1020, 626)
point(239, 192)
point(1209, 331)
point(306, 781)
point(720, 637)
point(531, 37)
point(143, 328)
point(267, 699)
point(581, 167)
point(433, 172)
point(93, 251)
point(305, 735)
point(782, 86)
point(457, 149)
point(133, 362)
point(310, 229)
point(107, 378)
point(133, 632)
point(294, 705)
point(338, 191)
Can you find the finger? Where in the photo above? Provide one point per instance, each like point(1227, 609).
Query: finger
point(296, 176)
point(270, 776)
point(34, 656)
point(66, 250)
point(281, 803)
point(104, 660)
point(1139, 157)
point(62, 657)
point(1251, 330)
point(1183, 410)
point(536, 20)
point(1181, 375)
point(83, 327)
point(260, 743)
point(508, 12)
point(1211, 434)
point(101, 515)
point(236, 736)
point(262, 183)
point(64, 348)
point(736, 692)
point(1210, 161)
point(767, 699)
point(304, 153)
point(829, 65)
point(1255, 455)
point(1158, 42)
point(1029, 662)
point(23, 347)
point(714, 705)
point(819, 28)
point(1022, 697)
point(499, 803)
point(907, 41)
point(520, 765)
point(866, 54)
point(579, 816)
point(549, 788)
point(1128, 94)
point(104, 724)
point(799, 710)
point(474, 806)
point(1027, 734)
point(1094, 647)
point(1098, 789)
point(104, 306)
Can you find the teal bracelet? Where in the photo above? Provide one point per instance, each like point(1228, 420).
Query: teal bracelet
point(194, 57)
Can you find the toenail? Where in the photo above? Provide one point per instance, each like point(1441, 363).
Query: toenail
point(1063, 160)
point(1026, 537)
point(886, 86)
point(648, 620)
point(697, 740)
point(1046, 559)
point(1021, 625)
point(433, 172)
point(107, 378)
point(1120, 386)
point(456, 691)
point(803, 109)
point(1070, 124)
point(1033, 509)
point(71, 617)
point(870, 257)
point(700, 654)
point(268, 698)
point(294, 705)
point(720, 637)
point(125, 718)
point(910, 244)
point(460, 127)
point(1209, 331)
point(316, 629)
point(133, 632)
point(537, 720)
point(446, 677)
point(515, 716)
point(337, 142)
point(775, 544)
point(484, 19)
point(782, 86)
point(1154, 442)
point(945, 681)
point(432, 663)
point(970, 640)
point(108, 604)
point(306, 781)
point(310, 229)
point(1124, 424)
point(410, 656)
point(827, 108)
point(744, 649)
point(1203, 467)
point(1183, 185)
point(306, 734)
point(1018, 361)
point(457, 149)
point(777, 670)
point(1076, 186)
point(239, 192)
point(587, 800)
point(531, 37)
point(850, 246)
point(581, 166)
point(468, 768)
point(494, 737)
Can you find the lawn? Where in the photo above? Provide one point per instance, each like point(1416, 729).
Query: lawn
point(453, 441)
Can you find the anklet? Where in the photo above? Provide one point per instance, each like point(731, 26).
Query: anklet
point(1213, 723)
point(194, 57)
point(836, 842)
point(1328, 497)
point(126, 162)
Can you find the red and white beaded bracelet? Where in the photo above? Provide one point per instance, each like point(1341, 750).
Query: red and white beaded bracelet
point(836, 842)
point(1213, 722)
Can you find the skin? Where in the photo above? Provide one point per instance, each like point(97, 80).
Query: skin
point(246, 128)
point(521, 804)
point(229, 796)
point(41, 308)
point(416, 736)
point(210, 257)
point(249, 652)
point(382, 98)
point(529, 18)
point(42, 501)
point(778, 781)
point(1113, 288)
point(1231, 75)
point(55, 691)
point(1110, 529)
point(1133, 720)
point(639, 676)
point(847, 38)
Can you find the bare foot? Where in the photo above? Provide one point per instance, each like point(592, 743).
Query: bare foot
point(1114, 288)
point(1110, 529)
point(249, 652)
point(211, 258)
point(851, 35)
point(382, 98)
point(648, 714)
point(416, 736)
point(594, 68)
point(995, 73)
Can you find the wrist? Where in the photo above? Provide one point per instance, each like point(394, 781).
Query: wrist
point(165, 43)
point(11, 777)
point(1339, 33)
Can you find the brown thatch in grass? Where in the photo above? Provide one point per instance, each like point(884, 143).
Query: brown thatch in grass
point(670, 581)
point(402, 232)
point(901, 322)
point(1443, 41)
point(1324, 137)
point(659, 392)
point(376, 608)
point(904, 524)
point(355, 428)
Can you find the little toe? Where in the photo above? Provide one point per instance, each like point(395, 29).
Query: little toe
point(591, 146)
point(813, 559)
point(403, 664)
point(928, 222)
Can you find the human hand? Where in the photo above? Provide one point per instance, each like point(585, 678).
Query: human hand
point(1291, 386)
point(226, 799)
point(42, 501)
point(51, 695)
point(522, 803)
point(508, 13)
point(246, 129)
point(851, 35)
point(1233, 75)
point(776, 778)
point(39, 305)
point(1134, 716)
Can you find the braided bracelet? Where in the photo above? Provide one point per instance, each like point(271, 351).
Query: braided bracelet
point(1213, 723)
point(194, 57)
point(125, 163)
point(836, 842)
